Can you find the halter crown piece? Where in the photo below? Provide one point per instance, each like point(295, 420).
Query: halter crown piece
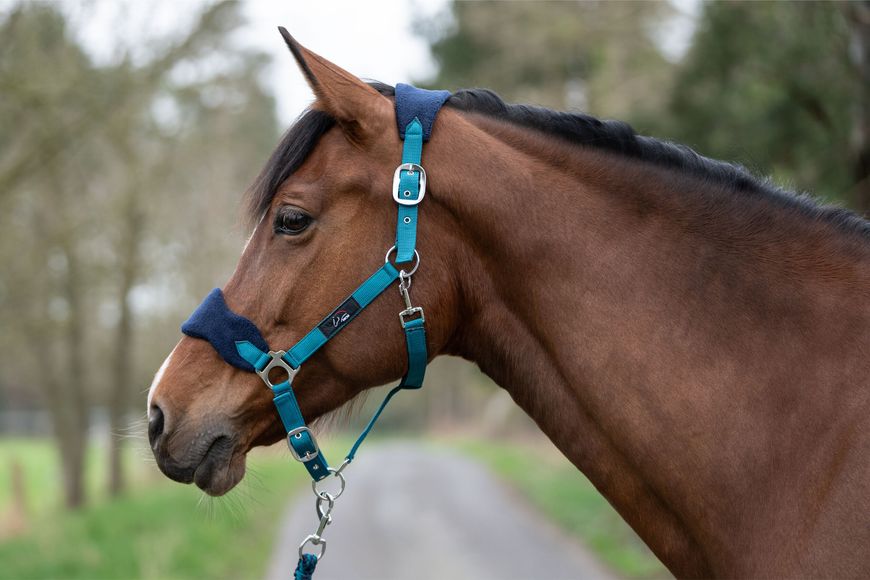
point(239, 342)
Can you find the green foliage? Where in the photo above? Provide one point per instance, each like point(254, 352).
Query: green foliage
point(771, 85)
point(780, 87)
point(598, 56)
point(563, 494)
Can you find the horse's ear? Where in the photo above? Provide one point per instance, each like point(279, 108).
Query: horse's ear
point(360, 110)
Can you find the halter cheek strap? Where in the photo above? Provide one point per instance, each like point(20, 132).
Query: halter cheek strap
point(239, 342)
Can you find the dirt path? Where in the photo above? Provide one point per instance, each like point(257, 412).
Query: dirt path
point(413, 513)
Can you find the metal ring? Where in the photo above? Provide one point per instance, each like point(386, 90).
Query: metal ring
point(315, 541)
point(325, 494)
point(416, 258)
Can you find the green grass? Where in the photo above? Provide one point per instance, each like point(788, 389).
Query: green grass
point(39, 461)
point(561, 492)
point(160, 529)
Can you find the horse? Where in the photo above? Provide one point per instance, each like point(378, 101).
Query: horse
point(693, 339)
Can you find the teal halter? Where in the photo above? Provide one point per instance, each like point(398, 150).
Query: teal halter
point(240, 343)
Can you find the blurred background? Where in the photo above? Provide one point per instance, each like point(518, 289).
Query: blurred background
point(129, 132)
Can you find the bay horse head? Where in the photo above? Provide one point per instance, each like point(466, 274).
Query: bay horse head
point(324, 220)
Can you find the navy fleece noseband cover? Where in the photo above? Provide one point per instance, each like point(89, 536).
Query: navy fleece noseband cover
point(215, 322)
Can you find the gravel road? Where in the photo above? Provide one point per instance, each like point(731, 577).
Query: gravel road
point(414, 513)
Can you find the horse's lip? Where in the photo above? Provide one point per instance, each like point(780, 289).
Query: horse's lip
point(216, 458)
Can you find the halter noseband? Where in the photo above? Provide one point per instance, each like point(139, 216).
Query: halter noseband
point(239, 342)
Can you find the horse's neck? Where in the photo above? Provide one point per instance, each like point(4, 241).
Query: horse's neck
point(665, 355)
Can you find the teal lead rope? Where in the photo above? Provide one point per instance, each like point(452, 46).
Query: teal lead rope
point(305, 568)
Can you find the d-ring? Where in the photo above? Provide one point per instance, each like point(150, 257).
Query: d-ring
point(416, 261)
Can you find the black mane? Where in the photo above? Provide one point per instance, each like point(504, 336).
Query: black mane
point(614, 136)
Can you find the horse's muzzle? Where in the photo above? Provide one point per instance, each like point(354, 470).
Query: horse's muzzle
point(204, 457)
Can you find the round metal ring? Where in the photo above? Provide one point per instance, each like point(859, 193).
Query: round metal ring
point(325, 494)
point(315, 541)
point(416, 261)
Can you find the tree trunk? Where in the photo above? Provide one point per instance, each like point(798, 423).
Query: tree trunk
point(128, 264)
point(62, 377)
point(73, 417)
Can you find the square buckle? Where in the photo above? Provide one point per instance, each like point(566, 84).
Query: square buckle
point(406, 314)
point(297, 434)
point(397, 176)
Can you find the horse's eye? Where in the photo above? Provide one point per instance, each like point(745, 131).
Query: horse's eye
point(291, 222)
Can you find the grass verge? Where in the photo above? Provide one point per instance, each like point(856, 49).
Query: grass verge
point(159, 529)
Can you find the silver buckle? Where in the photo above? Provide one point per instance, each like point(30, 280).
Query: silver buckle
point(404, 199)
point(277, 361)
point(297, 434)
point(409, 312)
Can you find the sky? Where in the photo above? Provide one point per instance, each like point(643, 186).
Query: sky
point(374, 39)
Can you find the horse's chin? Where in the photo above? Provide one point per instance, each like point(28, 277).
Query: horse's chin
point(216, 477)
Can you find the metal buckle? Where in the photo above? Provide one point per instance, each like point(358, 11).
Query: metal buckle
point(408, 312)
point(405, 197)
point(277, 361)
point(297, 434)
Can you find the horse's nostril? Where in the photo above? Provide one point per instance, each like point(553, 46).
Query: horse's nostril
point(155, 425)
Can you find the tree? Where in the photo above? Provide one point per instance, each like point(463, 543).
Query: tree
point(103, 162)
point(50, 319)
point(596, 56)
point(773, 86)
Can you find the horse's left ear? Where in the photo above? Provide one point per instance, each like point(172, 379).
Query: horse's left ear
point(361, 111)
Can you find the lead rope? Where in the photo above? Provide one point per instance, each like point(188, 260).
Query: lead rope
point(413, 379)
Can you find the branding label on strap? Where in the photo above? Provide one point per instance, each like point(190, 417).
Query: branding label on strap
point(339, 317)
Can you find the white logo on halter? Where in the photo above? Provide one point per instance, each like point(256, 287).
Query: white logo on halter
point(340, 317)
